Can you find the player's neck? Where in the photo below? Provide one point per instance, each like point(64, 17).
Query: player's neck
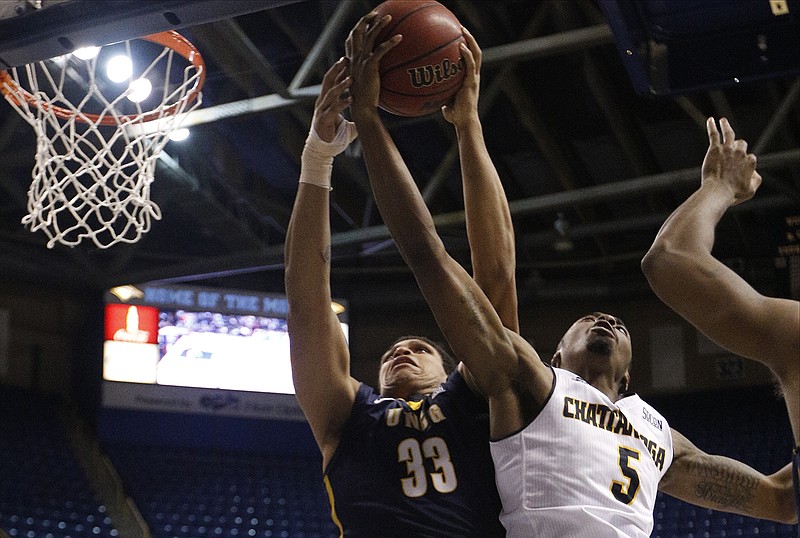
point(408, 392)
point(603, 382)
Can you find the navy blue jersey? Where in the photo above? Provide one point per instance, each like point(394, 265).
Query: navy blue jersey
point(796, 483)
point(418, 468)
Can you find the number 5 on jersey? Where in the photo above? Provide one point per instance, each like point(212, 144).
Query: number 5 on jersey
point(625, 493)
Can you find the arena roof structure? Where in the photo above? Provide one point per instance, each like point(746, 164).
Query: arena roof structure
point(594, 113)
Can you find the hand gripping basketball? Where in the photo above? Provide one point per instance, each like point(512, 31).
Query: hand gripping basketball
point(425, 69)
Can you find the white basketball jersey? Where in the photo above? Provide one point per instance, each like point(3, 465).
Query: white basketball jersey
point(585, 467)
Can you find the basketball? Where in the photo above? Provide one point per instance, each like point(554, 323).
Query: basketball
point(425, 69)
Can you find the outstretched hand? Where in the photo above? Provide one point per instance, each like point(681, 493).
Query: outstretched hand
point(465, 102)
point(333, 98)
point(365, 57)
point(728, 164)
point(330, 133)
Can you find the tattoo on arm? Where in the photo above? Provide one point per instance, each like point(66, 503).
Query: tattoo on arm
point(724, 485)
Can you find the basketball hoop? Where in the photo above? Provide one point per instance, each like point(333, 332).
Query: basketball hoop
point(94, 163)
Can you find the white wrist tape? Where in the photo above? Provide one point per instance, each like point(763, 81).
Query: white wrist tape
point(316, 162)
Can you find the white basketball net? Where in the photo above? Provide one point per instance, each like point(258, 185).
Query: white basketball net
point(94, 167)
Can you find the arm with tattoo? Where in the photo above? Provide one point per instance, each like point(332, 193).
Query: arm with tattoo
point(721, 483)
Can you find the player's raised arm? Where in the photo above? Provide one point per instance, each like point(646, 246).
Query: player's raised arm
point(488, 218)
point(723, 306)
point(319, 353)
point(462, 310)
point(684, 274)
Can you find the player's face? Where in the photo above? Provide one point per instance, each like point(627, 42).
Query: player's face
point(409, 367)
point(595, 341)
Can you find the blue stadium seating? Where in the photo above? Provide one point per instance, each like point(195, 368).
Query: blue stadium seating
point(748, 424)
point(193, 492)
point(44, 491)
point(212, 492)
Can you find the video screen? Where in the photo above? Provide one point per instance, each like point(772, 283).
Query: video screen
point(197, 348)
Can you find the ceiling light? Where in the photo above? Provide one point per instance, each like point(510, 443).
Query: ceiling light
point(139, 90)
point(86, 53)
point(179, 135)
point(119, 68)
point(59, 60)
point(127, 292)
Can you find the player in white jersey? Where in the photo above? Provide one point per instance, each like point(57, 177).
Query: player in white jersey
point(585, 459)
point(586, 464)
point(520, 386)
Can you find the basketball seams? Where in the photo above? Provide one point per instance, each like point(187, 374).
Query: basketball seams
point(389, 30)
point(431, 94)
point(417, 58)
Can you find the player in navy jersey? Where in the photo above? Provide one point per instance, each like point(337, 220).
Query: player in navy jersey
point(411, 459)
point(721, 304)
point(574, 455)
point(410, 466)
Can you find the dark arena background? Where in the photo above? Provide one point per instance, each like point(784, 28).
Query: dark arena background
point(145, 388)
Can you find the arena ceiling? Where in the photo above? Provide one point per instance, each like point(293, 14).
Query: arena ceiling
point(592, 164)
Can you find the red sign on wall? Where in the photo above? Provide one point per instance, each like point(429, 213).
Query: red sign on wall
point(131, 323)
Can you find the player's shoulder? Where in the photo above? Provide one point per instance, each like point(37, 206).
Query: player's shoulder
point(644, 411)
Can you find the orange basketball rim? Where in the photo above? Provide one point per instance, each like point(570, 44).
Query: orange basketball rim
point(169, 39)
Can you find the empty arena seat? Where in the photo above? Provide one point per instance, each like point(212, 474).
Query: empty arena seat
point(195, 492)
point(747, 424)
point(209, 492)
point(44, 491)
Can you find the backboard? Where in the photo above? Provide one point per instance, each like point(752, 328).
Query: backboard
point(33, 30)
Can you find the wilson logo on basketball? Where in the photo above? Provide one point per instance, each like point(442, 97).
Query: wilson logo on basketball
point(428, 75)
